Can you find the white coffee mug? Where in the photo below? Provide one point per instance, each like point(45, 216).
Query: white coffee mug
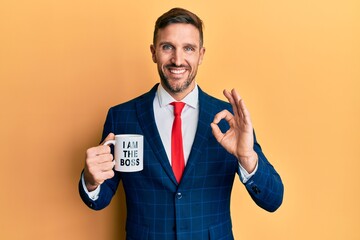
point(129, 152)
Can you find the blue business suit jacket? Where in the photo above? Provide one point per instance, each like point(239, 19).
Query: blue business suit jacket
point(197, 208)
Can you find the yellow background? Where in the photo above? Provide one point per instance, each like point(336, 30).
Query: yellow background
point(296, 64)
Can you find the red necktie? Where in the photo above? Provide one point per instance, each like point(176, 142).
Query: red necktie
point(177, 152)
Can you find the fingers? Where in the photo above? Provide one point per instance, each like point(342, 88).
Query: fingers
point(238, 105)
point(99, 164)
point(244, 111)
point(98, 150)
point(98, 167)
point(98, 155)
point(94, 179)
point(110, 136)
point(225, 114)
point(101, 149)
point(106, 175)
point(231, 100)
point(232, 96)
point(235, 101)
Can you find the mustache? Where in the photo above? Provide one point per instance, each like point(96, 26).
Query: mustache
point(176, 66)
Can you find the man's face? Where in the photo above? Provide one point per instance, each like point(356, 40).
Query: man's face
point(177, 54)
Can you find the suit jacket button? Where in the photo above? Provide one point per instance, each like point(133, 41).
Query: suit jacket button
point(255, 189)
point(178, 195)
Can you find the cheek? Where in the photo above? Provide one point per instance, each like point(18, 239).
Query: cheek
point(162, 60)
point(194, 63)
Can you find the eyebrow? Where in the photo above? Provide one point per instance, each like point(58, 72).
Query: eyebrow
point(165, 43)
point(185, 45)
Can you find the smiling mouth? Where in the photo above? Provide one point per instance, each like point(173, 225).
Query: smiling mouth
point(177, 70)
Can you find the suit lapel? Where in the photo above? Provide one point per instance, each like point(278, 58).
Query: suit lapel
point(203, 131)
point(145, 113)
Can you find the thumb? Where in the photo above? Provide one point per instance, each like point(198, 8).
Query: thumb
point(110, 136)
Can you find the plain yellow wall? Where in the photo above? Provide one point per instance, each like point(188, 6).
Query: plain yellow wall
point(296, 64)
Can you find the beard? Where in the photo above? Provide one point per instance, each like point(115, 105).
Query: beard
point(178, 88)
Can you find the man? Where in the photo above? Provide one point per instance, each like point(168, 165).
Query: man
point(161, 204)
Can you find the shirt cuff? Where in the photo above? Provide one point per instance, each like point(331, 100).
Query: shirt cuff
point(93, 195)
point(244, 175)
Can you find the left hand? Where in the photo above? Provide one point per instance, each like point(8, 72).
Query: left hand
point(239, 139)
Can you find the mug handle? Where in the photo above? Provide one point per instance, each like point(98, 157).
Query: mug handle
point(109, 142)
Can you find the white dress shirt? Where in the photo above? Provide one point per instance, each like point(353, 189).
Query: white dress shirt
point(164, 118)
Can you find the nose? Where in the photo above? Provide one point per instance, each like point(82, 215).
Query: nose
point(177, 57)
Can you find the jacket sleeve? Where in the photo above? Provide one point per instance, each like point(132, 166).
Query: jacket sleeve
point(265, 186)
point(109, 187)
point(107, 191)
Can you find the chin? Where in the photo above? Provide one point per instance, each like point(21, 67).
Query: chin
point(176, 85)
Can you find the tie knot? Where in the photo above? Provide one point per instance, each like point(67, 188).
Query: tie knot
point(178, 107)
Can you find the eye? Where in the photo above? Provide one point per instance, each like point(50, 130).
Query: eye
point(189, 49)
point(167, 47)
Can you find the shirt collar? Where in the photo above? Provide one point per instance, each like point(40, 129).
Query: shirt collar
point(164, 98)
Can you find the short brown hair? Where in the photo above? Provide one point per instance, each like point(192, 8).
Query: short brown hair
point(179, 15)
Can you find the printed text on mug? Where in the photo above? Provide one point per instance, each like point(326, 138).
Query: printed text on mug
point(130, 154)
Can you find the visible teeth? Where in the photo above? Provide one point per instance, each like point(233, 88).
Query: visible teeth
point(177, 71)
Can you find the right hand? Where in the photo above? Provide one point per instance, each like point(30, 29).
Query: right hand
point(98, 164)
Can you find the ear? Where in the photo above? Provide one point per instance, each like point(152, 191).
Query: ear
point(153, 55)
point(202, 53)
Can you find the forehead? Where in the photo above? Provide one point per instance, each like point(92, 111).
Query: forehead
point(179, 33)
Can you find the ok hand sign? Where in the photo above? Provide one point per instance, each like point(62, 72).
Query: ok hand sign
point(239, 139)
